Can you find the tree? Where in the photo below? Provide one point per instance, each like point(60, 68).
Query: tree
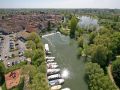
point(80, 41)
point(40, 46)
point(37, 71)
point(78, 32)
point(115, 38)
point(97, 80)
point(49, 26)
point(2, 72)
point(73, 26)
point(31, 44)
point(28, 53)
point(98, 54)
point(34, 37)
point(103, 40)
point(80, 51)
point(92, 35)
point(116, 71)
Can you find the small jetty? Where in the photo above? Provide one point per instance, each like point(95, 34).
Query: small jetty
point(53, 71)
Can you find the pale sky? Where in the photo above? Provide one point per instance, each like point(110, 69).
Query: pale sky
point(60, 4)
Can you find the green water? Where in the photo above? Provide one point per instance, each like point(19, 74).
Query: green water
point(65, 51)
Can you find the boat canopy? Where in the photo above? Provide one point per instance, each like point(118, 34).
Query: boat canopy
point(46, 47)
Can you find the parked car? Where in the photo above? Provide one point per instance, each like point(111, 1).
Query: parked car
point(13, 63)
point(8, 64)
point(0, 59)
point(5, 56)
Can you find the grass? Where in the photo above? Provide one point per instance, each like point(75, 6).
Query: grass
point(65, 31)
point(4, 87)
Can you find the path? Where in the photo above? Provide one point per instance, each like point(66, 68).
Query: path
point(0, 88)
point(111, 77)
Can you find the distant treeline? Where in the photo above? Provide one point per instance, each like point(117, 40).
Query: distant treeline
point(45, 10)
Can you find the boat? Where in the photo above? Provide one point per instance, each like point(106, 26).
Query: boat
point(55, 76)
point(56, 82)
point(52, 71)
point(66, 89)
point(46, 48)
point(49, 58)
point(48, 53)
point(48, 61)
point(52, 63)
point(52, 66)
point(56, 87)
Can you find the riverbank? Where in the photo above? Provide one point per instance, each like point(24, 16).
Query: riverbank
point(64, 31)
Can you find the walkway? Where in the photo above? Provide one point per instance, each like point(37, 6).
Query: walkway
point(110, 75)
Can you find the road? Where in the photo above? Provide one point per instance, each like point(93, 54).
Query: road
point(5, 49)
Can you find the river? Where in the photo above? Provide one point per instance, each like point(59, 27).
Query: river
point(65, 51)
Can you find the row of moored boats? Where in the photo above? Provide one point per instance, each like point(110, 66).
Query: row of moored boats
point(53, 71)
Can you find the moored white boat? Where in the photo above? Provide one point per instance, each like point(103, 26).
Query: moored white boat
point(66, 89)
point(52, 63)
point(46, 48)
point(48, 61)
point(55, 76)
point(56, 82)
point(52, 66)
point(47, 58)
point(56, 87)
point(52, 71)
point(48, 53)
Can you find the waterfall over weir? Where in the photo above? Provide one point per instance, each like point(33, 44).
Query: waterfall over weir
point(50, 34)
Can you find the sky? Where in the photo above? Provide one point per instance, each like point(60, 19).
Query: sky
point(112, 4)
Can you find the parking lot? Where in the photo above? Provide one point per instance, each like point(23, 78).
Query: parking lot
point(11, 50)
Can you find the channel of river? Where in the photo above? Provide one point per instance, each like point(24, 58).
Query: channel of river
point(65, 51)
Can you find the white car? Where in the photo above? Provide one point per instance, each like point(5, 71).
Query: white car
point(8, 64)
point(66, 89)
point(0, 59)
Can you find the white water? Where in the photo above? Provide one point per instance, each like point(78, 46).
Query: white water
point(50, 34)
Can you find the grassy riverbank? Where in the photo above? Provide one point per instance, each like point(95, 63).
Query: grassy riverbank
point(64, 31)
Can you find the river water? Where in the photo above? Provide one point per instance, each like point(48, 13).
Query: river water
point(65, 51)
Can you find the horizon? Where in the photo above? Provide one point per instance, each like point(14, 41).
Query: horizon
point(64, 8)
point(60, 4)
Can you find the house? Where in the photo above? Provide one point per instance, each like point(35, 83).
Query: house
point(23, 35)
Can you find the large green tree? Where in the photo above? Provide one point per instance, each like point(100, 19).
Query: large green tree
point(73, 26)
point(98, 54)
point(49, 26)
point(116, 71)
point(97, 80)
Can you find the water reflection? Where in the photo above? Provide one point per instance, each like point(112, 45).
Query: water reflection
point(65, 73)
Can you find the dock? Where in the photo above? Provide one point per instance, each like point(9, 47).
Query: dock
point(53, 71)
